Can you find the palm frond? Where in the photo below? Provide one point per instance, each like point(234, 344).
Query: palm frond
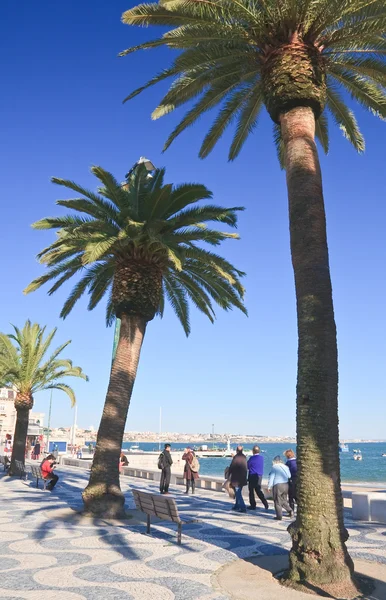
point(225, 45)
point(345, 119)
point(321, 132)
point(176, 295)
point(158, 225)
point(227, 114)
point(369, 94)
point(28, 362)
point(247, 120)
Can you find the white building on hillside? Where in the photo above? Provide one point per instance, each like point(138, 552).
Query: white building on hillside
point(8, 418)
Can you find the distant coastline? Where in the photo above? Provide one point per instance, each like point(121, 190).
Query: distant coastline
point(207, 438)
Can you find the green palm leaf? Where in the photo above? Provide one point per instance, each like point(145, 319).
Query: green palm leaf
point(228, 45)
point(24, 363)
point(345, 119)
point(145, 254)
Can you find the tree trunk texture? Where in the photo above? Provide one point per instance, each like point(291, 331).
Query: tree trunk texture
point(319, 555)
point(19, 439)
point(103, 496)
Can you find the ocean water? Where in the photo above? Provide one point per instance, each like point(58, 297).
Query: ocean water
point(372, 469)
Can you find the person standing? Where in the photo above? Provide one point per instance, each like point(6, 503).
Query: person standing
point(293, 467)
point(278, 483)
point(255, 477)
point(238, 478)
point(165, 462)
point(123, 462)
point(191, 469)
point(37, 451)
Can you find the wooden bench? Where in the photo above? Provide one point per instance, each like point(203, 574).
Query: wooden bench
point(37, 473)
point(21, 470)
point(4, 460)
point(163, 507)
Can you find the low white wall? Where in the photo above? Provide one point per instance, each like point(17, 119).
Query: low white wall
point(154, 474)
point(369, 506)
point(146, 461)
point(149, 460)
point(74, 462)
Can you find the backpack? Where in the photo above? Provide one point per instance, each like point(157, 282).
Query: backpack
point(161, 461)
point(195, 465)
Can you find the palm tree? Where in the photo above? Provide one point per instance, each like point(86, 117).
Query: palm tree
point(29, 365)
point(139, 244)
point(296, 58)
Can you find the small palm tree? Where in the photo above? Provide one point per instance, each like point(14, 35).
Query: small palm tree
point(139, 245)
point(299, 59)
point(28, 365)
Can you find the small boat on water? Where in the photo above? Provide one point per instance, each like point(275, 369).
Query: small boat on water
point(205, 452)
point(384, 454)
point(343, 447)
point(357, 455)
point(134, 448)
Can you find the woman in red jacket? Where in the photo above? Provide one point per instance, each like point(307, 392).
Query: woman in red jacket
point(48, 471)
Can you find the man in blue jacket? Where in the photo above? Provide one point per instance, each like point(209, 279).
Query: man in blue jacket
point(255, 477)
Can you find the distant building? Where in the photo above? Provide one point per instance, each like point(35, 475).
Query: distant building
point(8, 418)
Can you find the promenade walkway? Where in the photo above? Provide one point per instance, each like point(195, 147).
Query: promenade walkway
point(49, 552)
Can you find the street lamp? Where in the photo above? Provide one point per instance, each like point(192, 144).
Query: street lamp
point(142, 161)
point(149, 167)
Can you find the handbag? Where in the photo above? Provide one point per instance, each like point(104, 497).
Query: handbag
point(228, 487)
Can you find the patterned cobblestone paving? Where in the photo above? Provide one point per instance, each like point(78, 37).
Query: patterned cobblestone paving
point(48, 552)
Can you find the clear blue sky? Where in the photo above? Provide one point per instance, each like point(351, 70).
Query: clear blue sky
point(61, 112)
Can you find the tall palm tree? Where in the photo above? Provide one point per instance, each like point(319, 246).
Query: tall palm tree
point(29, 365)
point(140, 245)
point(296, 58)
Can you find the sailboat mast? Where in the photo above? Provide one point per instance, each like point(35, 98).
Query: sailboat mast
point(160, 428)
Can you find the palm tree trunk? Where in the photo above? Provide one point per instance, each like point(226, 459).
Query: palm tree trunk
point(103, 495)
point(19, 439)
point(319, 554)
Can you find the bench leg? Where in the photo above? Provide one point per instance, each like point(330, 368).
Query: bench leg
point(179, 532)
point(148, 524)
point(37, 482)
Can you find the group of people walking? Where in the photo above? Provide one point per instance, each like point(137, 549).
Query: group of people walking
point(281, 480)
point(242, 472)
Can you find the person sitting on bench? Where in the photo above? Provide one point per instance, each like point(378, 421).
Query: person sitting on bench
point(47, 468)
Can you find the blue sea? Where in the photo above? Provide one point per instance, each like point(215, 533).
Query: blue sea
point(372, 469)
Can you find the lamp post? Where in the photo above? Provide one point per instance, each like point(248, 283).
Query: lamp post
point(74, 426)
point(49, 425)
point(149, 167)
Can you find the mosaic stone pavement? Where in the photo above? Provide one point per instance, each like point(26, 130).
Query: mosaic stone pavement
point(49, 552)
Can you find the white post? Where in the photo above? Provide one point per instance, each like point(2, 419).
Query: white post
point(160, 428)
point(49, 425)
point(74, 426)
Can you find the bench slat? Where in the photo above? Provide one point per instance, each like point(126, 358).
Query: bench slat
point(146, 506)
point(160, 505)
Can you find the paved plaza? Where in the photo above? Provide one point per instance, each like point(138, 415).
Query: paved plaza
point(49, 552)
